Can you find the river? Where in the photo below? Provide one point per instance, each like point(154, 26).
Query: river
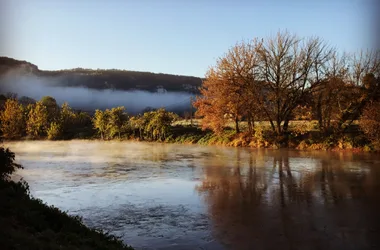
point(169, 196)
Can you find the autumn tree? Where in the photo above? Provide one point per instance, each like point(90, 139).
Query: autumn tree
point(370, 121)
point(37, 123)
point(210, 105)
point(262, 77)
point(226, 94)
point(12, 120)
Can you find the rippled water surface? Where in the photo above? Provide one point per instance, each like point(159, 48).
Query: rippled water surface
point(167, 196)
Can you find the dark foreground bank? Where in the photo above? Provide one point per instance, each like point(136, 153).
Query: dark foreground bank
point(28, 223)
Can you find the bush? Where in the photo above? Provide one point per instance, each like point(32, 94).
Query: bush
point(7, 164)
point(370, 122)
point(54, 132)
point(301, 128)
point(28, 223)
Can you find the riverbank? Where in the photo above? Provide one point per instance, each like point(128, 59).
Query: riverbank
point(28, 223)
point(298, 139)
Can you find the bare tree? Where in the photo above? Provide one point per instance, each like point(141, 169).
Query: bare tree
point(326, 98)
point(290, 68)
point(362, 86)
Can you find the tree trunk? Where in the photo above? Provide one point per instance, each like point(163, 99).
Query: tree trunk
point(249, 125)
point(286, 126)
point(319, 114)
point(278, 129)
point(272, 125)
point(237, 125)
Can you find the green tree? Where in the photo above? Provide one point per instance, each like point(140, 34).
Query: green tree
point(117, 118)
point(159, 123)
point(54, 132)
point(24, 100)
point(37, 123)
point(7, 163)
point(67, 119)
point(82, 119)
point(100, 122)
point(3, 99)
point(138, 123)
point(146, 123)
point(52, 108)
point(12, 120)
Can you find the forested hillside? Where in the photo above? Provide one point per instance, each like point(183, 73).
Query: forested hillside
point(105, 79)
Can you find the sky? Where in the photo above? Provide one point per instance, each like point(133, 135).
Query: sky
point(180, 37)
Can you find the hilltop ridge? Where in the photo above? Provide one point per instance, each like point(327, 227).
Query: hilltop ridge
point(106, 78)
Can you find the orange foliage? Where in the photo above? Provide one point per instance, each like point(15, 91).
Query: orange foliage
point(370, 121)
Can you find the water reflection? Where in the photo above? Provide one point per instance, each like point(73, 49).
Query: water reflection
point(292, 202)
point(167, 196)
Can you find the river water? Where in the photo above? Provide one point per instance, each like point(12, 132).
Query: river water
point(169, 196)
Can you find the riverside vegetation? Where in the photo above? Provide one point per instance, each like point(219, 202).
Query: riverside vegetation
point(284, 91)
point(32, 122)
point(28, 223)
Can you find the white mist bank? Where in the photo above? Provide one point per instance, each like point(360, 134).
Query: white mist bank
point(89, 99)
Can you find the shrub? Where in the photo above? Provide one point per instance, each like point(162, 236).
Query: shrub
point(54, 132)
point(303, 145)
point(302, 128)
point(12, 123)
point(345, 143)
point(259, 134)
point(7, 164)
point(370, 122)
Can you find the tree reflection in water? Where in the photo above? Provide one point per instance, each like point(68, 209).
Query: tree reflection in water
point(287, 201)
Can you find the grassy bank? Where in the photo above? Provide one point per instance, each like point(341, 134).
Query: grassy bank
point(302, 135)
point(28, 223)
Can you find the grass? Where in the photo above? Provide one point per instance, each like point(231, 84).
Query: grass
point(28, 223)
point(303, 135)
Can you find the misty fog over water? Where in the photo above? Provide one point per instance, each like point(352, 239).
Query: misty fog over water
point(169, 196)
point(88, 99)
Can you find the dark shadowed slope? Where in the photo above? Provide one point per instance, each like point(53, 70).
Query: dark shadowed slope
point(104, 79)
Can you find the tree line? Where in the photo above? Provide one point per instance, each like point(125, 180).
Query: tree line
point(39, 119)
point(25, 117)
point(284, 76)
point(278, 79)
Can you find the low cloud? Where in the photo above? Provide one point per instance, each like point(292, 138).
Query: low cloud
point(89, 99)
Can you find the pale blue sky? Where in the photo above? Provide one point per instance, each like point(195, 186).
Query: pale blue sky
point(168, 36)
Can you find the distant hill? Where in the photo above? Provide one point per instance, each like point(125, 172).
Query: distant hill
point(105, 79)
